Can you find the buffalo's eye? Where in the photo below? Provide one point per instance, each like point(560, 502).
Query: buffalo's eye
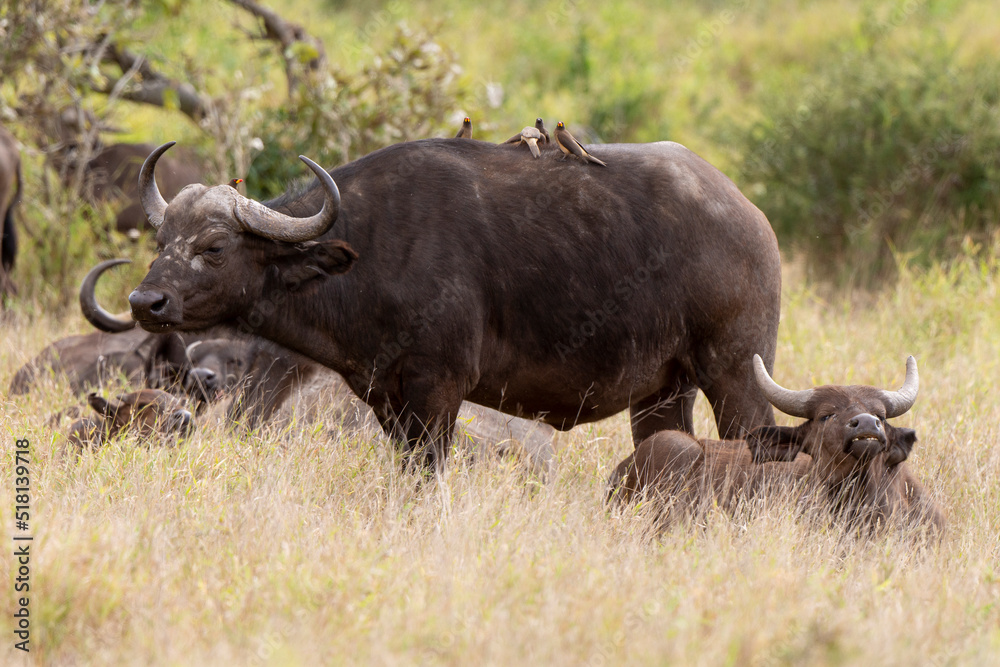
point(826, 417)
point(214, 251)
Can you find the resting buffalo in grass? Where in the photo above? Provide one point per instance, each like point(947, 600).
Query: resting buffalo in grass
point(149, 414)
point(199, 364)
point(10, 195)
point(435, 271)
point(845, 445)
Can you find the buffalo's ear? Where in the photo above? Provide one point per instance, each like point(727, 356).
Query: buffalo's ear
point(333, 256)
point(901, 442)
point(164, 358)
point(775, 443)
point(307, 261)
point(102, 406)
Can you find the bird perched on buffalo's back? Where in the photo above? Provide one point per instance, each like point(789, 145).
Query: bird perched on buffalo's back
point(529, 135)
point(540, 126)
point(234, 183)
point(466, 131)
point(570, 146)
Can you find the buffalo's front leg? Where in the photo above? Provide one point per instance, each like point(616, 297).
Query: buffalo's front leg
point(422, 417)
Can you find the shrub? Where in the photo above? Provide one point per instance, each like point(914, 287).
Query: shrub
point(411, 90)
point(877, 152)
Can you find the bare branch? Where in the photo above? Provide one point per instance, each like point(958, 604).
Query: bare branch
point(150, 86)
point(287, 34)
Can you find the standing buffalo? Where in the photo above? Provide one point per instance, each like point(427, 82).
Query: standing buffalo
point(845, 447)
point(445, 270)
point(10, 195)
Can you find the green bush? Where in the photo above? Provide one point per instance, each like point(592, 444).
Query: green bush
point(877, 152)
point(411, 90)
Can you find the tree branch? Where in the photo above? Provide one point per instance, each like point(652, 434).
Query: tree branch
point(151, 86)
point(287, 34)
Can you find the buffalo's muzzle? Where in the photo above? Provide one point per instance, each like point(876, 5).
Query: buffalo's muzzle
point(180, 421)
point(203, 383)
point(153, 306)
point(864, 437)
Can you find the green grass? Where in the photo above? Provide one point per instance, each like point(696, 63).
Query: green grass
point(291, 547)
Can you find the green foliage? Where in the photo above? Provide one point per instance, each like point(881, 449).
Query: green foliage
point(878, 150)
point(62, 239)
point(408, 91)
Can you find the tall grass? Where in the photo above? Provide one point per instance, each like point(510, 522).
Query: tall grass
point(294, 547)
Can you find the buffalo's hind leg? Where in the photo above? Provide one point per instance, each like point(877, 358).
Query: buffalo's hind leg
point(670, 409)
point(736, 400)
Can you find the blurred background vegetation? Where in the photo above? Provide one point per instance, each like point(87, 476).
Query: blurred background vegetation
point(867, 132)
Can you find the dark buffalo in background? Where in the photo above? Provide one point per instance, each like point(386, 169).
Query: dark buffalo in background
point(114, 171)
point(10, 195)
point(846, 448)
point(120, 349)
point(440, 270)
point(110, 172)
point(249, 382)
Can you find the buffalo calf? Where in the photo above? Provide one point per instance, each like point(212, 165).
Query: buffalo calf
point(149, 414)
point(845, 447)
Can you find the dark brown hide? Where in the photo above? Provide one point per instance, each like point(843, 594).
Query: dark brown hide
point(459, 270)
point(10, 195)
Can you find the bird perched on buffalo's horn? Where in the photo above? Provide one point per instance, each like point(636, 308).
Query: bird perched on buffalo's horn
point(234, 183)
point(570, 146)
point(540, 126)
point(466, 131)
point(529, 135)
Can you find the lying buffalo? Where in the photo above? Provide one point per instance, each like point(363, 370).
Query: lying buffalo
point(120, 349)
point(445, 270)
point(845, 446)
point(147, 413)
point(10, 195)
point(251, 382)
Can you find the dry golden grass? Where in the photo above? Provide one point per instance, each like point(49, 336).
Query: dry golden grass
point(289, 547)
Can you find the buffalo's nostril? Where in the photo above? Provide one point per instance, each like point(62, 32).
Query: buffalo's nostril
point(853, 423)
point(146, 302)
point(159, 305)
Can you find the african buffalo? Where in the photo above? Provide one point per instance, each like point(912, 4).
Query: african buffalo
point(147, 413)
point(10, 195)
point(444, 270)
point(110, 172)
point(119, 348)
point(846, 447)
point(113, 173)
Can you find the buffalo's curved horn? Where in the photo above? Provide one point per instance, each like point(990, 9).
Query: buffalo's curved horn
point(96, 315)
point(190, 348)
point(266, 222)
point(153, 203)
point(790, 402)
point(898, 402)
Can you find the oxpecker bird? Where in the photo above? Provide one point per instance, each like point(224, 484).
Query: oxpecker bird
point(570, 146)
point(540, 126)
point(466, 131)
point(529, 135)
point(234, 183)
